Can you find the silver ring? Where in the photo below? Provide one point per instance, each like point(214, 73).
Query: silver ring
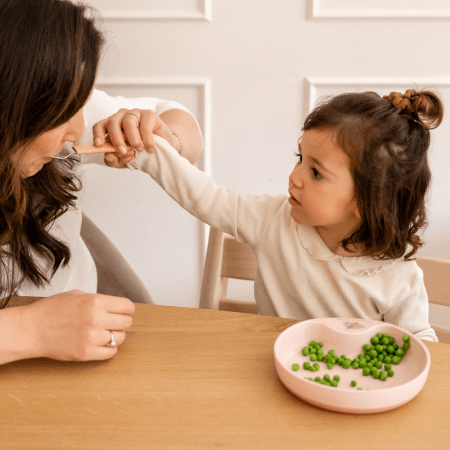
point(112, 343)
point(139, 121)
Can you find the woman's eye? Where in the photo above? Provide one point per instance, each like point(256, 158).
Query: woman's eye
point(316, 174)
point(299, 155)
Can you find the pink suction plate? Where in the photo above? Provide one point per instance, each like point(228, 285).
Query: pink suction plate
point(347, 336)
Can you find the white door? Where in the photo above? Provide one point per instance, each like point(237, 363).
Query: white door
point(250, 71)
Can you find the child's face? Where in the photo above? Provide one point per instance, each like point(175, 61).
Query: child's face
point(321, 187)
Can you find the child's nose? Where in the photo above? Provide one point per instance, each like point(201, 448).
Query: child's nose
point(295, 179)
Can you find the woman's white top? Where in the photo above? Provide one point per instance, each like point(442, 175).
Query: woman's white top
point(81, 273)
point(298, 276)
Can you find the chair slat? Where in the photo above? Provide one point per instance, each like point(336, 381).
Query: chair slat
point(436, 275)
point(238, 260)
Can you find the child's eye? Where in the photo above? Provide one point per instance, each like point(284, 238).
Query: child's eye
point(299, 155)
point(316, 174)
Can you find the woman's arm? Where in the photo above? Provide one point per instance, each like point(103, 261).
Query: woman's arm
point(185, 126)
point(72, 326)
point(137, 126)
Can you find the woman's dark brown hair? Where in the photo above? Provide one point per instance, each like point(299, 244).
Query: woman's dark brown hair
point(49, 54)
point(387, 140)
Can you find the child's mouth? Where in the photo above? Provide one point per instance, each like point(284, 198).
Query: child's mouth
point(292, 201)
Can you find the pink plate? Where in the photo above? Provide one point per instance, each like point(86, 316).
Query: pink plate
point(347, 336)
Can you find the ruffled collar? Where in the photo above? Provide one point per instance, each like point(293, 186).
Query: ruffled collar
point(354, 265)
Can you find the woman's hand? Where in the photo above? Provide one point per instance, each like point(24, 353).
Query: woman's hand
point(135, 127)
point(75, 326)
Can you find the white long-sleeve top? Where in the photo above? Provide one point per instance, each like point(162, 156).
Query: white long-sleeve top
point(81, 273)
point(297, 275)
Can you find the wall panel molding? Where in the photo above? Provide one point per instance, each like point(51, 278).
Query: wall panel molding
point(313, 84)
point(203, 14)
point(203, 85)
point(369, 9)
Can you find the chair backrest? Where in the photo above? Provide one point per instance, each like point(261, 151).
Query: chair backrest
point(226, 258)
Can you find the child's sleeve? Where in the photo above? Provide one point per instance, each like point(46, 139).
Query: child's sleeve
point(246, 217)
point(412, 313)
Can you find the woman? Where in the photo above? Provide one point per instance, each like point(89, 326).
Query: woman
point(49, 60)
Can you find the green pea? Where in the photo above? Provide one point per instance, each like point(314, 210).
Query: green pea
point(311, 343)
point(320, 356)
point(383, 375)
point(355, 365)
point(395, 346)
point(379, 348)
point(387, 359)
point(390, 373)
point(375, 340)
point(385, 341)
point(295, 367)
point(380, 335)
point(390, 349)
point(319, 344)
point(331, 352)
point(305, 351)
point(387, 367)
point(362, 363)
point(367, 347)
point(346, 364)
point(306, 365)
point(313, 351)
point(313, 357)
point(329, 366)
point(343, 357)
point(369, 365)
point(353, 383)
point(366, 371)
point(336, 378)
point(326, 377)
point(400, 352)
point(376, 375)
point(378, 364)
point(359, 389)
point(391, 340)
point(380, 357)
point(333, 383)
point(373, 353)
point(406, 345)
point(395, 360)
point(316, 365)
point(322, 382)
point(340, 361)
point(405, 338)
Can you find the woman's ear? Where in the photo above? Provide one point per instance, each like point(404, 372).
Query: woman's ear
point(356, 213)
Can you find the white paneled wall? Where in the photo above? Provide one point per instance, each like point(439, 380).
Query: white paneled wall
point(250, 74)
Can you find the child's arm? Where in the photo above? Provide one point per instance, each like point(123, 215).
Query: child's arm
point(412, 314)
point(246, 217)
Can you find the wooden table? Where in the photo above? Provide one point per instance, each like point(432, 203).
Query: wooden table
point(198, 379)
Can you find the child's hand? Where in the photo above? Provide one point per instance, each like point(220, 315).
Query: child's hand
point(135, 127)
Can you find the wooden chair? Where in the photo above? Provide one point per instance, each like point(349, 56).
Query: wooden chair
point(226, 258)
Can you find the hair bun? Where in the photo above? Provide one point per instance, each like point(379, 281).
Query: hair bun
point(424, 107)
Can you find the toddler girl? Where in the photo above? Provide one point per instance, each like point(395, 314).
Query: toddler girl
point(341, 244)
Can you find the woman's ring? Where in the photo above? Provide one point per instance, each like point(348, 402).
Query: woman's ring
point(112, 343)
point(139, 121)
